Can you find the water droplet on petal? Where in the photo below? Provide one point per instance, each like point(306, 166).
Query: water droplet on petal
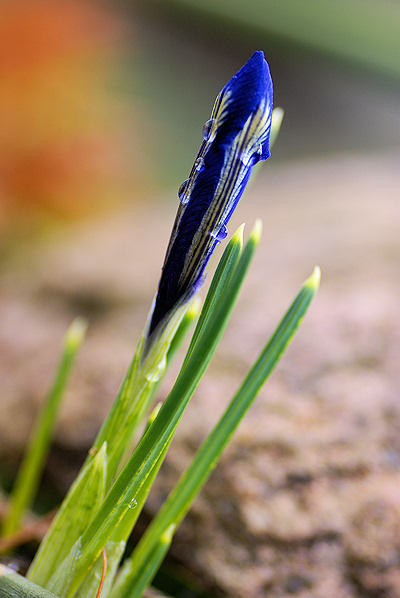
point(133, 503)
point(245, 158)
point(209, 129)
point(220, 233)
point(223, 231)
point(182, 191)
point(199, 164)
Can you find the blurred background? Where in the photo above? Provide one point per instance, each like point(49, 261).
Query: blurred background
point(101, 103)
point(101, 111)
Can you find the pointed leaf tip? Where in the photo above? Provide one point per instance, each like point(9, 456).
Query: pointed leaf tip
point(277, 118)
point(313, 281)
point(256, 231)
point(237, 236)
point(76, 332)
point(167, 535)
point(194, 308)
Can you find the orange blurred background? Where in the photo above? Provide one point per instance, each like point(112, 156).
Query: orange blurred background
point(65, 126)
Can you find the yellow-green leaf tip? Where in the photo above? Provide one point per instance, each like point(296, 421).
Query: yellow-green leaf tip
point(154, 413)
point(313, 281)
point(166, 536)
point(237, 236)
point(277, 117)
point(256, 232)
point(194, 308)
point(76, 333)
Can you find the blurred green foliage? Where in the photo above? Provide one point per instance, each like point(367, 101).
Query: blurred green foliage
point(335, 67)
point(363, 32)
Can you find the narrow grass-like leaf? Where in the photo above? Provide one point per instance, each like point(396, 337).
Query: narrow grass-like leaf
point(124, 528)
point(181, 497)
point(30, 471)
point(60, 581)
point(190, 316)
point(13, 585)
point(135, 393)
point(79, 506)
point(149, 569)
point(89, 588)
point(160, 433)
point(277, 118)
point(222, 276)
point(120, 526)
point(74, 515)
point(221, 297)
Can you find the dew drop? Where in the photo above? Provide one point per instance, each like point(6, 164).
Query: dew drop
point(220, 234)
point(78, 550)
point(199, 164)
point(156, 372)
point(182, 191)
point(209, 129)
point(246, 157)
point(133, 503)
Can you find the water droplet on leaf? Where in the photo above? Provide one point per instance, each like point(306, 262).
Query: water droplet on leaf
point(157, 371)
point(133, 503)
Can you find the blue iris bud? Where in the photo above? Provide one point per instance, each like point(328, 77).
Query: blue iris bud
point(235, 138)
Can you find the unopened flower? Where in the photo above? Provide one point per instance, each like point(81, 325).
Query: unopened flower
point(235, 138)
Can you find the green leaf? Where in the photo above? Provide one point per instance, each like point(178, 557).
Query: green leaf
point(74, 515)
point(136, 392)
point(223, 274)
point(13, 585)
point(86, 494)
point(149, 569)
point(124, 527)
point(277, 118)
point(30, 471)
point(181, 498)
point(60, 582)
point(190, 315)
point(147, 454)
point(90, 586)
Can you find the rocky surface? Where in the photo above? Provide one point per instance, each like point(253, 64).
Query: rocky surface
point(306, 501)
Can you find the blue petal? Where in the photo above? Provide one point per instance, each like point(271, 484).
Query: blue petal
point(235, 138)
